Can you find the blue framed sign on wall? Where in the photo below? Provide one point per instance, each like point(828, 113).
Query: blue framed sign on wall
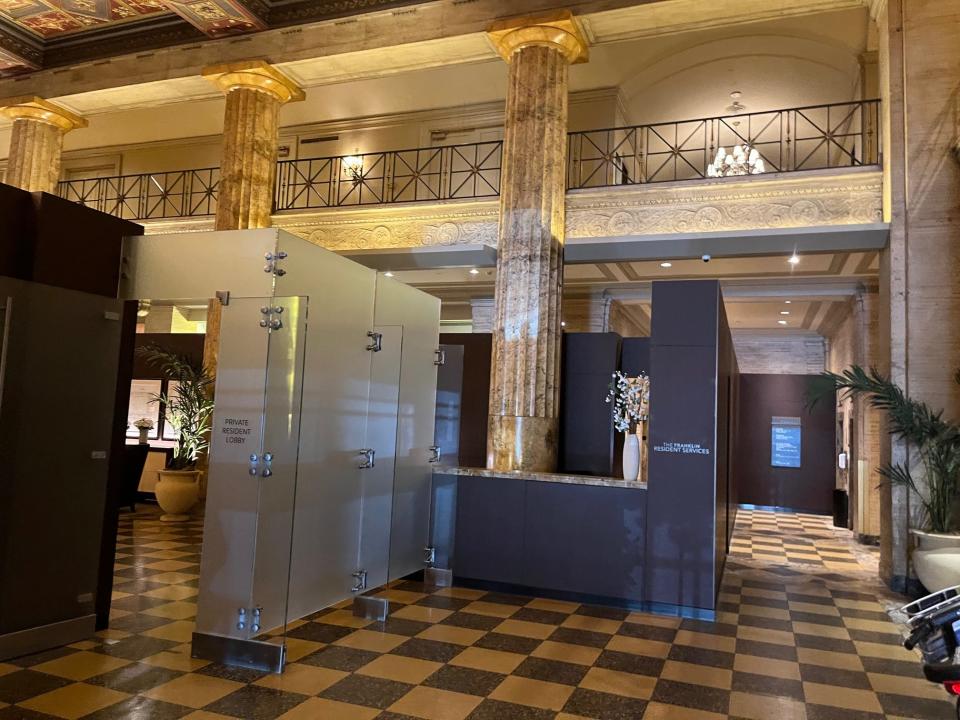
point(785, 441)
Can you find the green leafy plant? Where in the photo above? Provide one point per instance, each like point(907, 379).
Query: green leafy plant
point(936, 441)
point(188, 407)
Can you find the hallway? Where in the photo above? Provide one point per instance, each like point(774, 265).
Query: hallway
point(801, 633)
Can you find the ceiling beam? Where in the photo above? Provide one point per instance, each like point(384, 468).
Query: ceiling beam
point(220, 18)
point(18, 54)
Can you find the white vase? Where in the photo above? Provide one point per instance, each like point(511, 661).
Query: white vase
point(936, 559)
point(631, 456)
point(177, 492)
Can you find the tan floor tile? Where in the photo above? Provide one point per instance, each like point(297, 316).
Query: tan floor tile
point(552, 605)
point(74, 701)
point(538, 631)
point(304, 679)
point(764, 593)
point(830, 631)
point(638, 646)
point(204, 715)
point(452, 634)
point(379, 642)
point(177, 610)
point(402, 669)
point(164, 545)
point(83, 645)
point(80, 665)
point(537, 693)
point(178, 631)
point(320, 709)
point(868, 605)
point(175, 661)
point(827, 658)
point(619, 683)
point(814, 608)
point(490, 660)
point(568, 716)
point(117, 614)
point(879, 626)
point(173, 592)
point(422, 613)
point(170, 565)
point(6, 669)
point(460, 593)
point(566, 652)
point(344, 618)
point(842, 697)
point(491, 609)
point(767, 666)
point(592, 624)
point(118, 595)
point(655, 620)
point(173, 578)
point(766, 707)
point(705, 641)
point(659, 711)
point(778, 637)
point(435, 704)
point(193, 690)
point(297, 648)
point(896, 685)
point(881, 650)
point(697, 674)
point(401, 596)
point(165, 554)
point(767, 612)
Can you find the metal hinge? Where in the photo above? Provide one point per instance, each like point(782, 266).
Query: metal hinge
point(253, 615)
point(273, 263)
point(376, 341)
point(434, 453)
point(271, 317)
point(441, 357)
point(369, 456)
point(361, 581)
point(429, 555)
point(223, 296)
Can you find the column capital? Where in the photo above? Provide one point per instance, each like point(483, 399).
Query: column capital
point(31, 107)
point(558, 30)
point(254, 75)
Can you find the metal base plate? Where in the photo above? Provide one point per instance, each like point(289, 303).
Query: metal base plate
point(371, 608)
point(255, 654)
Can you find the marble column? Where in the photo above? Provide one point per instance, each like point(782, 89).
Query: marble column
point(36, 142)
point(255, 91)
point(522, 431)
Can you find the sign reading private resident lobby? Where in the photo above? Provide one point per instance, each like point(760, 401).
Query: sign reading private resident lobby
point(785, 439)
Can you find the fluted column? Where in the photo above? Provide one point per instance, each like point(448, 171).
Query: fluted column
point(255, 91)
point(36, 142)
point(522, 432)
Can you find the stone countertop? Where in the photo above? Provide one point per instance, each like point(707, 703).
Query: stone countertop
point(544, 477)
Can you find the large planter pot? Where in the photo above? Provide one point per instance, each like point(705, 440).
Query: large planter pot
point(177, 492)
point(936, 559)
point(631, 456)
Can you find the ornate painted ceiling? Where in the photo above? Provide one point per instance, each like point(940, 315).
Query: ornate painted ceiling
point(37, 34)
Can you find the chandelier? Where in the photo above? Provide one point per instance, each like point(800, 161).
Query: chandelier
point(744, 160)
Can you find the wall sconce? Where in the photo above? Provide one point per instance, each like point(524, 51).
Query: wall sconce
point(353, 167)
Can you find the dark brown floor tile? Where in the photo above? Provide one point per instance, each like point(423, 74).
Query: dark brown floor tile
point(709, 628)
point(551, 671)
point(396, 626)
point(580, 637)
point(901, 668)
point(444, 603)
point(810, 599)
point(137, 603)
point(387, 715)
point(628, 662)
point(22, 684)
point(647, 632)
point(599, 611)
point(319, 632)
point(767, 685)
point(547, 617)
point(137, 623)
point(136, 647)
point(140, 708)
point(18, 713)
point(256, 703)
point(766, 623)
point(428, 650)
point(135, 678)
point(764, 602)
point(890, 638)
point(232, 672)
point(903, 706)
point(473, 621)
point(602, 706)
point(26, 661)
point(818, 642)
point(863, 614)
point(505, 599)
point(496, 710)
point(816, 618)
point(369, 691)
point(339, 658)
point(692, 696)
point(835, 676)
point(508, 643)
point(701, 656)
point(852, 595)
point(825, 712)
point(464, 680)
point(767, 650)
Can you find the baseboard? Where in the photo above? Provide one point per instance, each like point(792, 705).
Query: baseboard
point(44, 637)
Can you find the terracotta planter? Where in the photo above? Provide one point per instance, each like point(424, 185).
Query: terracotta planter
point(936, 559)
point(177, 492)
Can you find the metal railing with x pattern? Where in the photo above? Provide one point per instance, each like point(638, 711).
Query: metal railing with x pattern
point(148, 196)
point(807, 138)
point(449, 172)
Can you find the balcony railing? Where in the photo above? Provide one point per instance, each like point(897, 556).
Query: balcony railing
point(808, 138)
point(450, 172)
point(816, 137)
point(149, 196)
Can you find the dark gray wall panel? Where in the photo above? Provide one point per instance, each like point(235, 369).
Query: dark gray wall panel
point(443, 519)
point(635, 356)
point(489, 540)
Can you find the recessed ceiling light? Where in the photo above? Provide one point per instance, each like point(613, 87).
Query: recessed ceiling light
point(784, 312)
point(781, 322)
point(474, 271)
point(563, 324)
point(787, 302)
point(388, 274)
point(793, 259)
point(666, 264)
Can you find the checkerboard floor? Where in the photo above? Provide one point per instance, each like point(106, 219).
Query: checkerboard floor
point(793, 640)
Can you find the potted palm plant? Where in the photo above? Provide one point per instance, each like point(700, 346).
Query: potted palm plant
point(188, 408)
point(935, 444)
